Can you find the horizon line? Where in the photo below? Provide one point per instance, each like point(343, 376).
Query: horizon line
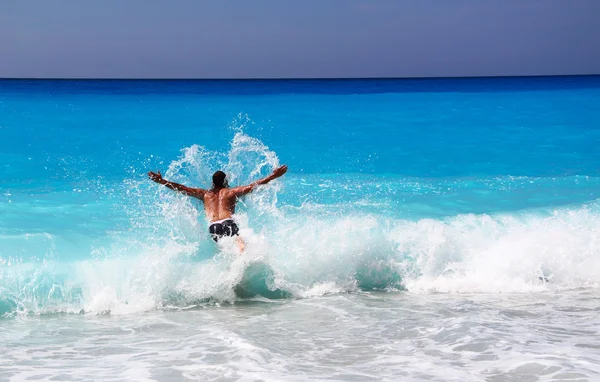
point(285, 78)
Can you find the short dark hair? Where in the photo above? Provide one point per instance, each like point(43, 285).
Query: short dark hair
point(219, 180)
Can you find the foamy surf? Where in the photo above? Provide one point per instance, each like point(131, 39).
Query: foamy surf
point(447, 232)
point(308, 257)
point(353, 239)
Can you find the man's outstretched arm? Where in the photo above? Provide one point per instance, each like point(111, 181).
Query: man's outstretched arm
point(195, 192)
point(243, 190)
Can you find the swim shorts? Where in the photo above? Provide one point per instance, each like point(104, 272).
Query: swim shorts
point(221, 228)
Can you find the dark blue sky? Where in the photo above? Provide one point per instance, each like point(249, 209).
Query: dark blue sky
point(302, 38)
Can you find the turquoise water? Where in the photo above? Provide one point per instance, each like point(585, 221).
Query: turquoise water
point(398, 191)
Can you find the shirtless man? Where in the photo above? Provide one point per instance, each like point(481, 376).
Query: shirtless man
point(219, 201)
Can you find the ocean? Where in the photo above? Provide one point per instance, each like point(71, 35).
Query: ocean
point(427, 230)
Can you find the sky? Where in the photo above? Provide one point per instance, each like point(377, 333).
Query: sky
point(297, 39)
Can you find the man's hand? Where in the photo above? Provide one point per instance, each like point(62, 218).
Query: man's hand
point(156, 177)
point(279, 171)
point(243, 190)
point(195, 192)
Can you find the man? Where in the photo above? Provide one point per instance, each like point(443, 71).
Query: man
point(219, 201)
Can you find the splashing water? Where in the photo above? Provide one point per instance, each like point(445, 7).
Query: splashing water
point(426, 230)
point(353, 238)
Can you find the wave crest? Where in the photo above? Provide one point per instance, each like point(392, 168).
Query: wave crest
point(335, 237)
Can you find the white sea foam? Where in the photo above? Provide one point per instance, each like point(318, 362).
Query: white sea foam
point(317, 256)
point(348, 241)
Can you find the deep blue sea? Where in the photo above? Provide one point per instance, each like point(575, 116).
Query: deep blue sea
point(427, 229)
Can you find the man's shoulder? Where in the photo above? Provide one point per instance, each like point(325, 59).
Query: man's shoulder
point(222, 193)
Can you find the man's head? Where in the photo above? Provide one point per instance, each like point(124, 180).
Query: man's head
point(220, 180)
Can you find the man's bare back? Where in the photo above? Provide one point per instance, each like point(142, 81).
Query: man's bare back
point(219, 201)
point(219, 204)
